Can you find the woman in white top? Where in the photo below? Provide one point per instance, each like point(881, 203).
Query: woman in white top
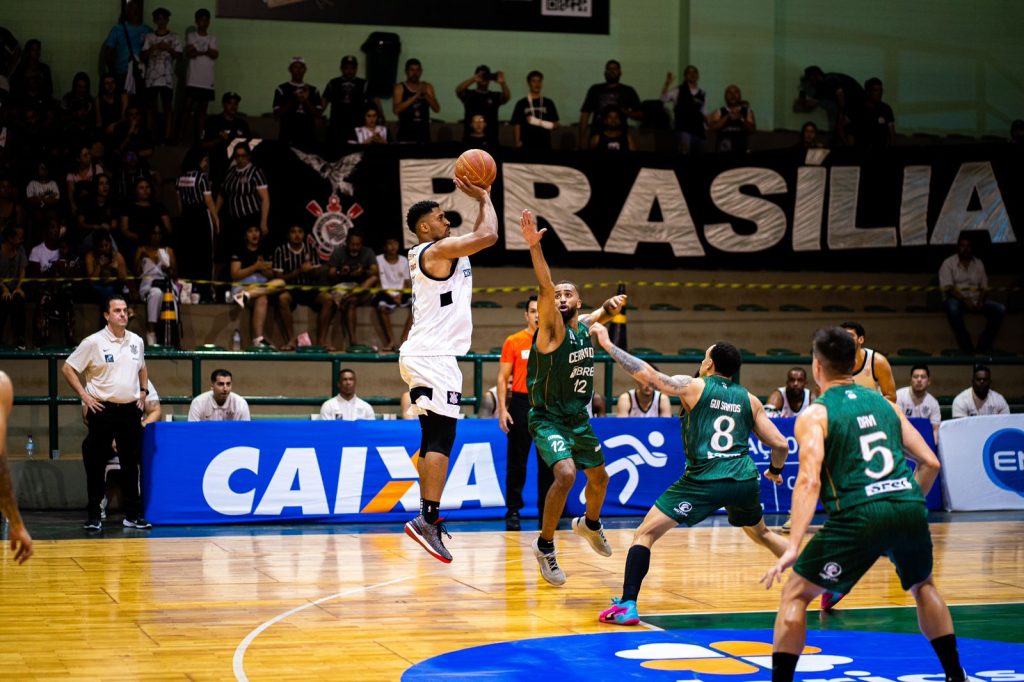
point(155, 263)
point(370, 132)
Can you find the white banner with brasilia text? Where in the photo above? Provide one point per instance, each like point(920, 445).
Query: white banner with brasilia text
point(983, 462)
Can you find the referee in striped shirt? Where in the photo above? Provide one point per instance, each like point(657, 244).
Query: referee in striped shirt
point(248, 200)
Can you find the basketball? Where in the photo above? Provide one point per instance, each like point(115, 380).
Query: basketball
point(477, 167)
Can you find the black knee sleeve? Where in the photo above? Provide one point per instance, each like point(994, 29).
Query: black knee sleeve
point(438, 434)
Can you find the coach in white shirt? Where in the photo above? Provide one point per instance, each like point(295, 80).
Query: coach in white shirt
point(219, 404)
point(346, 405)
point(980, 399)
point(113, 363)
point(915, 400)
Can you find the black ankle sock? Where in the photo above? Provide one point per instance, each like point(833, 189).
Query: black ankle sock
point(638, 561)
point(545, 546)
point(593, 525)
point(783, 666)
point(949, 657)
point(429, 509)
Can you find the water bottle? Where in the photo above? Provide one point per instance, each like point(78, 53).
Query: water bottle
point(30, 447)
point(236, 340)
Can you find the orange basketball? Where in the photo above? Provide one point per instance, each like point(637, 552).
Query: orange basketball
point(477, 167)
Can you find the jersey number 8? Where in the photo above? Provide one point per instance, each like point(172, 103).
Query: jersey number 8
point(721, 439)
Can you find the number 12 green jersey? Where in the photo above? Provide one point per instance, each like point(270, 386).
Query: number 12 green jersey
point(561, 383)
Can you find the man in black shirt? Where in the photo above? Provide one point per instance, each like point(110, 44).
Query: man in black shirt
point(220, 130)
point(352, 266)
point(481, 100)
point(535, 116)
point(347, 97)
point(297, 105)
point(875, 124)
point(600, 96)
point(838, 94)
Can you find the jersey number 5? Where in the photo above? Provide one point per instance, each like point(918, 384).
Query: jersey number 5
point(868, 452)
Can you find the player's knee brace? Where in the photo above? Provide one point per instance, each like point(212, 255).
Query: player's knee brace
point(438, 434)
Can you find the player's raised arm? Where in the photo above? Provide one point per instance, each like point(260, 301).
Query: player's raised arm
point(680, 385)
point(606, 312)
point(915, 448)
point(550, 325)
point(770, 435)
point(485, 231)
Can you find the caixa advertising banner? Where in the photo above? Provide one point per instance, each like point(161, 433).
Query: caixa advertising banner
point(244, 472)
point(983, 462)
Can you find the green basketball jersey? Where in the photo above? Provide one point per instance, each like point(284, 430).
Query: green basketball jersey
point(863, 451)
point(716, 433)
point(561, 383)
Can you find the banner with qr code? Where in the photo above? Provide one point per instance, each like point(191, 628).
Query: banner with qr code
point(545, 16)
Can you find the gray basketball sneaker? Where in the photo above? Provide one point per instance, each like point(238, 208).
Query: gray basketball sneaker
point(598, 542)
point(549, 568)
point(429, 537)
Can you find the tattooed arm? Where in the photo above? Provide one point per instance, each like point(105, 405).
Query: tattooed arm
point(681, 385)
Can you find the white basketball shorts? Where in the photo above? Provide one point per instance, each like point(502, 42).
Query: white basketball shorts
point(435, 384)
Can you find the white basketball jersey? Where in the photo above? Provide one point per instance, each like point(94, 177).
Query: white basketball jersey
point(865, 374)
point(634, 406)
point(787, 409)
point(442, 317)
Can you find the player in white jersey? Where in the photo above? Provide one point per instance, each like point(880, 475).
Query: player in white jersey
point(793, 398)
point(871, 369)
point(643, 401)
point(442, 289)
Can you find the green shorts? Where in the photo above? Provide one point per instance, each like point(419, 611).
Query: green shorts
point(849, 544)
point(557, 439)
point(691, 501)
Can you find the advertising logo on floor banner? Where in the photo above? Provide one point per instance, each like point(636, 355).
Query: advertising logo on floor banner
point(243, 472)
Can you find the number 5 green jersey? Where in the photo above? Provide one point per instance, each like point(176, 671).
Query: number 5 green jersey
point(864, 459)
point(716, 433)
point(561, 383)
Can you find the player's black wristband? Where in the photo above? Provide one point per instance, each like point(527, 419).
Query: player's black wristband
point(775, 471)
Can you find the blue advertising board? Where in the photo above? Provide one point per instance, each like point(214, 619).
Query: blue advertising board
point(243, 472)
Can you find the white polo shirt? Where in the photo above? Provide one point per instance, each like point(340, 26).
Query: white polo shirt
point(349, 410)
point(964, 405)
point(110, 365)
point(205, 409)
point(928, 408)
point(968, 280)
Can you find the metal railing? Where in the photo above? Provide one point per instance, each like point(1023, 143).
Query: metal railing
point(54, 357)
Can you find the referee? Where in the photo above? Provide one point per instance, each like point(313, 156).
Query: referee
point(512, 417)
point(113, 363)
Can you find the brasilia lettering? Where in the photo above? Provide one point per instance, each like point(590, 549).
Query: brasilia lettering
point(581, 354)
point(298, 481)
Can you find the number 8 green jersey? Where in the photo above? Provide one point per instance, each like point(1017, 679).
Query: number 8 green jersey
point(716, 433)
point(561, 383)
point(864, 459)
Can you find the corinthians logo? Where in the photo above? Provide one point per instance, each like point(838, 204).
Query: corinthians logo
point(332, 223)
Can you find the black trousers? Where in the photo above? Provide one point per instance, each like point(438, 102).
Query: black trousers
point(519, 442)
point(121, 422)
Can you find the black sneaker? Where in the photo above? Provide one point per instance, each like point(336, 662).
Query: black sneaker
point(93, 525)
point(137, 522)
point(512, 521)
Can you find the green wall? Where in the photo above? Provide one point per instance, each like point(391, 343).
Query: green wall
point(948, 65)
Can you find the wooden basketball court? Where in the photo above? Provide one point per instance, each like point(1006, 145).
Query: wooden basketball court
point(358, 603)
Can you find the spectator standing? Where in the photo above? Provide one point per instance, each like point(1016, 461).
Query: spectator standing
point(370, 132)
point(480, 99)
point(413, 100)
point(613, 133)
point(113, 363)
point(790, 400)
point(839, 94)
point(600, 96)
point(161, 49)
point(965, 283)
point(347, 97)
point(689, 105)
point(13, 265)
point(915, 400)
point(874, 125)
point(245, 193)
point(31, 67)
point(346, 405)
point(393, 269)
point(352, 266)
point(219, 404)
point(199, 222)
point(979, 399)
point(298, 106)
point(21, 541)
point(643, 401)
point(221, 130)
point(296, 263)
point(156, 268)
point(201, 50)
point(733, 123)
point(252, 266)
point(534, 116)
point(124, 44)
point(513, 416)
